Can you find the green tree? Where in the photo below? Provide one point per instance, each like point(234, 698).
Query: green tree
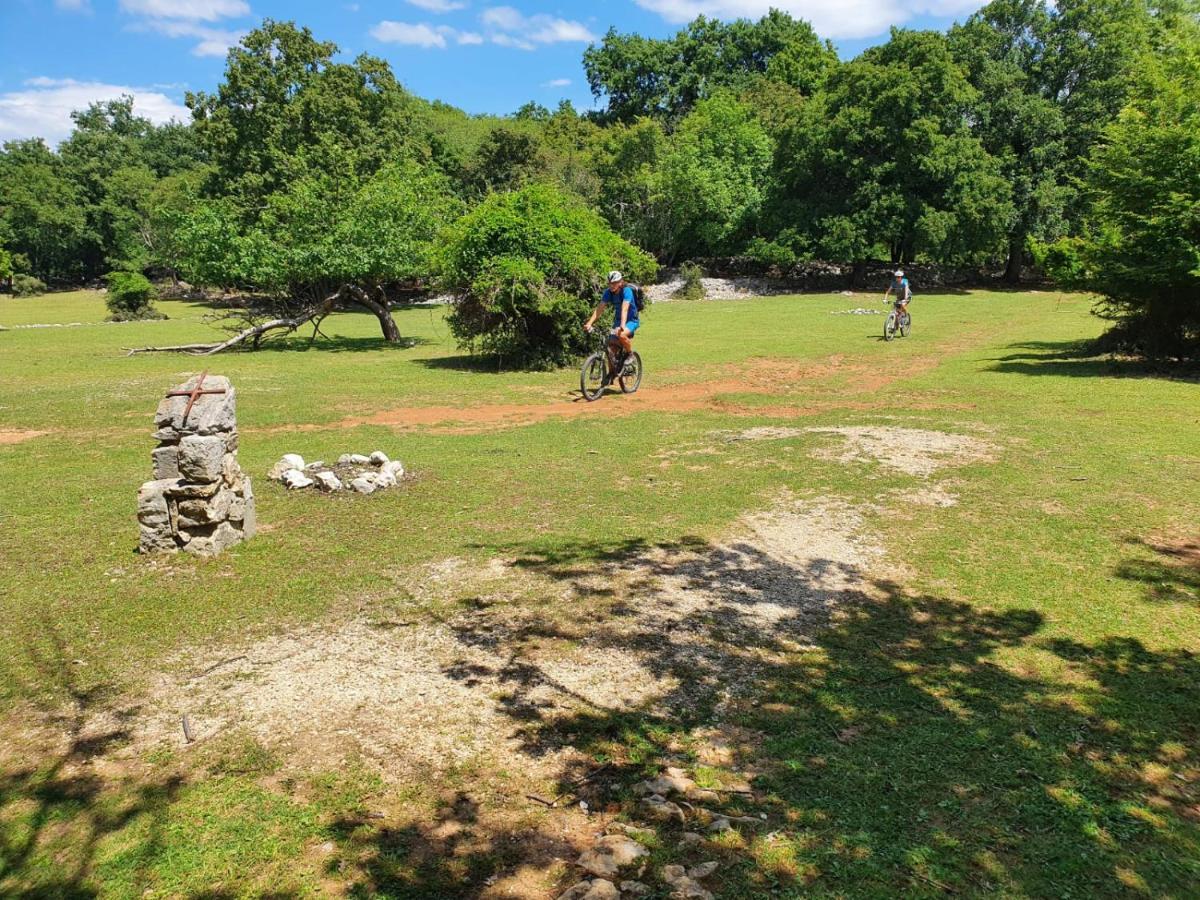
point(325, 241)
point(286, 109)
point(41, 211)
point(714, 178)
point(884, 158)
point(648, 77)
point(1143, 253)
point(1002, 48)
point(526, 267)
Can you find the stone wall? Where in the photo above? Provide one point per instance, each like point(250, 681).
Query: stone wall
point(200, 501)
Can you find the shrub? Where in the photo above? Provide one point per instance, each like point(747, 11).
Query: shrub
point(770, 254)
point(526, 268)
point(130, 296)
point(6, 266)
point(27, 286)
point(692, 287)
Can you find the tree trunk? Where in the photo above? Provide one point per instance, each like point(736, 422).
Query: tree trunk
point(391, 331)
point(1016, 254)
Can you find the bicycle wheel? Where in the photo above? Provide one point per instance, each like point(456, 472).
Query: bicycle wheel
point(889, 326)
point(591, 377)
point(905, 324)
point(631, 374)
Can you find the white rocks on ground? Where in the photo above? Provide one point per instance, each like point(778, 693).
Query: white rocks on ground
point(353, 471)
point(598, 889)
point(610, 854)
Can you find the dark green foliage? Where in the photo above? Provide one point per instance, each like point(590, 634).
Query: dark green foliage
point(6, 265)
point(692, 287)
point(1143, 251)
point(130, 296)
point(526, 268)
point(770, 253)
point(648, 77)
point(27, 286)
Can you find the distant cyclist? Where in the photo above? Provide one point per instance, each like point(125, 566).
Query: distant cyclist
point(622, 299)
point(901, 289)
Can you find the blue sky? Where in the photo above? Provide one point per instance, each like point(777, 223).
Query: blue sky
point(482, 55)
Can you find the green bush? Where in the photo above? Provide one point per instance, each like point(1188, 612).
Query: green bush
point(6, 266)
point(130, 296)
point(692, 287)
point(526, 268)
point(770, 254)
point(27, 286)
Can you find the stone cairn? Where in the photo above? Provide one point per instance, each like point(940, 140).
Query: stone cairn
point(199, 500)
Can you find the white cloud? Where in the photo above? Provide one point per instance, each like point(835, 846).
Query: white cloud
point(831, 18)
point(193, 10)
point(438, 6)
point(512, 28)
point(558, 83)
point(210, 41)
point(420, 35)
point(44, 108)
point(469, 37)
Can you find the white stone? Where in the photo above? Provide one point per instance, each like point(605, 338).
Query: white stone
point(610, 854)
point(296, 480)
point(364, 484)
point(327, 481)
point(286, 464)
point(385, 479)
point(357, 459)
point(319, 464)
point(600, 889)
point(395, 467)
point(379, 458)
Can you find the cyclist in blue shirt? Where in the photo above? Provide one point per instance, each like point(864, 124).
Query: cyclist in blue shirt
point(625, 318)
point(901, 289)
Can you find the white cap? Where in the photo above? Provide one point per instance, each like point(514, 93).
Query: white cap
point(899, 273)
point(614, 277)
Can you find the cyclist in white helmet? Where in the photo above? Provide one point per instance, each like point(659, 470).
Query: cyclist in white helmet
point(621, 298)
point(900, 287)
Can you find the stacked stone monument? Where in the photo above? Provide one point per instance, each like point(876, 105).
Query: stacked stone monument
point(200, 501)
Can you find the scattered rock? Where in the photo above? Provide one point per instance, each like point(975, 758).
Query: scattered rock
point(286, 464)
point(599, 889)
point(364, 484)
point(379, 458)
point(691, 839)
point(357, 459)
point(632, 830)
point(684, 887)
point(662, 810)
point(635, 888)
point(703, 870)
point(610, 854)
point(327, 481)
point(295, 480)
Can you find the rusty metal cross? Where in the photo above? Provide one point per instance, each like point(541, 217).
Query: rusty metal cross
point(194, 394)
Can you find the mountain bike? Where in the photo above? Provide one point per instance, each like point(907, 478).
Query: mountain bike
point(897, 321)
point(596, 375)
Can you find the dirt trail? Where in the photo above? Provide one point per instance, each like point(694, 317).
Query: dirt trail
point(759, 377)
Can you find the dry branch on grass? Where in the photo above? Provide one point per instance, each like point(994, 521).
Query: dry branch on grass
point(313, 314)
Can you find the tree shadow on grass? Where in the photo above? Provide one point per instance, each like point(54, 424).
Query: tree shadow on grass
point(907, 750)
point(56, 808)
point(1170, 575)
point(1082, 359)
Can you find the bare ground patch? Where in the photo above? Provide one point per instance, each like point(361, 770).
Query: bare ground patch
point(17, 436)
point(659, 629)
point(909, 450)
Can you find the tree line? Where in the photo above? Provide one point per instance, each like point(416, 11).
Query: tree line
point(1062, 133)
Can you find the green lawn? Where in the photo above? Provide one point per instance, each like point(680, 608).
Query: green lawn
point(1015, 710)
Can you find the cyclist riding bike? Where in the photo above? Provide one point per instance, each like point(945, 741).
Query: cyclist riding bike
point(901, 289)
point(621, 298)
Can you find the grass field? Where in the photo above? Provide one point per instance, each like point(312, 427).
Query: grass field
point(929, 610)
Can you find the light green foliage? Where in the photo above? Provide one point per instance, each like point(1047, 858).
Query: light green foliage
point(27, 286)
point(130, 296)
point(6, 265)
point(321, 232)
point(714, 177)
point(640, 76)
point(526, 268)
point(884, 157)
point(1143, 253)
